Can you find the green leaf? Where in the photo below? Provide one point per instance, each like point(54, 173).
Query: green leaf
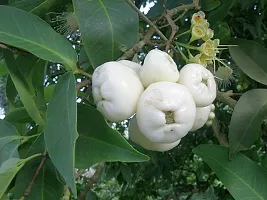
point(47, 185)
point(60, 128)
point(251, 59)
point(9, 141)
point(220, 12)
point(8, 171)
point(18, 115)
point(98, 142)
point(209, 194)
point(249, 112)
point(242, 177)
point(3, 68)
point(105, 27)
point(26, 94)
point(27, 31)
point(222, 32)
point(48, 92)
point(38, 7)
point(208, 5)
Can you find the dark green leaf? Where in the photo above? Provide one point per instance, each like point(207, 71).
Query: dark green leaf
point(251, 59)
point(208, 5)
point(11, 91)
point(98, 142)
point(3, 67)
point(27, 31)
point(33, 146)
point(105, 27)
point(243, 178)
point(38, 7)
point(48, 92)
point(60, 128)
point(47, 186)
point(222, 32)
point(9, 141)
point(249, 112)
point(220, 12)
point(207, 195)
point(8, 171)
point(27, 95)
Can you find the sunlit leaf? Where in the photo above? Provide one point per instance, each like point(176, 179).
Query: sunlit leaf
point(60, 128)
point(27, 95)
point(27, 31)
point(242, 177)
point(249, 112)
point(9, 141)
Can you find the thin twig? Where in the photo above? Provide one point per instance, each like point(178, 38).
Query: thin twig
point(137, 47)
point(147, 20)
point(28, 190)
point(85, 74)
point(92, 181)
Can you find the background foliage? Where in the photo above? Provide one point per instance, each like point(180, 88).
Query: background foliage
point(52, 129)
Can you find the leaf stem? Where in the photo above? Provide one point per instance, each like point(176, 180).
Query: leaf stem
point(85, 74)
point(45, 157)
point(188, 46)
point(24, 139)
point(184, 33)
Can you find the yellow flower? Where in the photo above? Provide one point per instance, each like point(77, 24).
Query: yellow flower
point(209, 34)
point(210, 48)
point(197, 59)
point(198, 32)
point(198, 18)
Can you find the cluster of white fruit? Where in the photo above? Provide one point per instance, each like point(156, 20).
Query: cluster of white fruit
point(168, 104)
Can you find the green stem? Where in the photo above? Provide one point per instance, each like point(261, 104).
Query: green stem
point(187, 46)
point(85, 74)
point(26, 138)
point(184, 33)
point(182, 54)
point(33, 156)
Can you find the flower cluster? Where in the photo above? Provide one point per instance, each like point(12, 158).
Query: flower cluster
point(206, 48)
point(166, 104)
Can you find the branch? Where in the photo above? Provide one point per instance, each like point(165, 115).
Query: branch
point(82, 84)
point(147, 20)
point(92, 181)
point(28, 190)
point(225, 97)
point(217, 133)
point(137, 47)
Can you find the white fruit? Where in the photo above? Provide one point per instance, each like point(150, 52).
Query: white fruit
point(202, 116)
point(166, 112)
point(138, 137)
point(116, 91)
point(158, 66)
point(133, 65)
point(200, 82)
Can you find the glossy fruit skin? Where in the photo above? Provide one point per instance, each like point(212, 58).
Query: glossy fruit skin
point(158, 66)
point(138, 137)
point(200, 83)
point(202, 116)
point(133, 65)
point(116, 90)
point(166, 112)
